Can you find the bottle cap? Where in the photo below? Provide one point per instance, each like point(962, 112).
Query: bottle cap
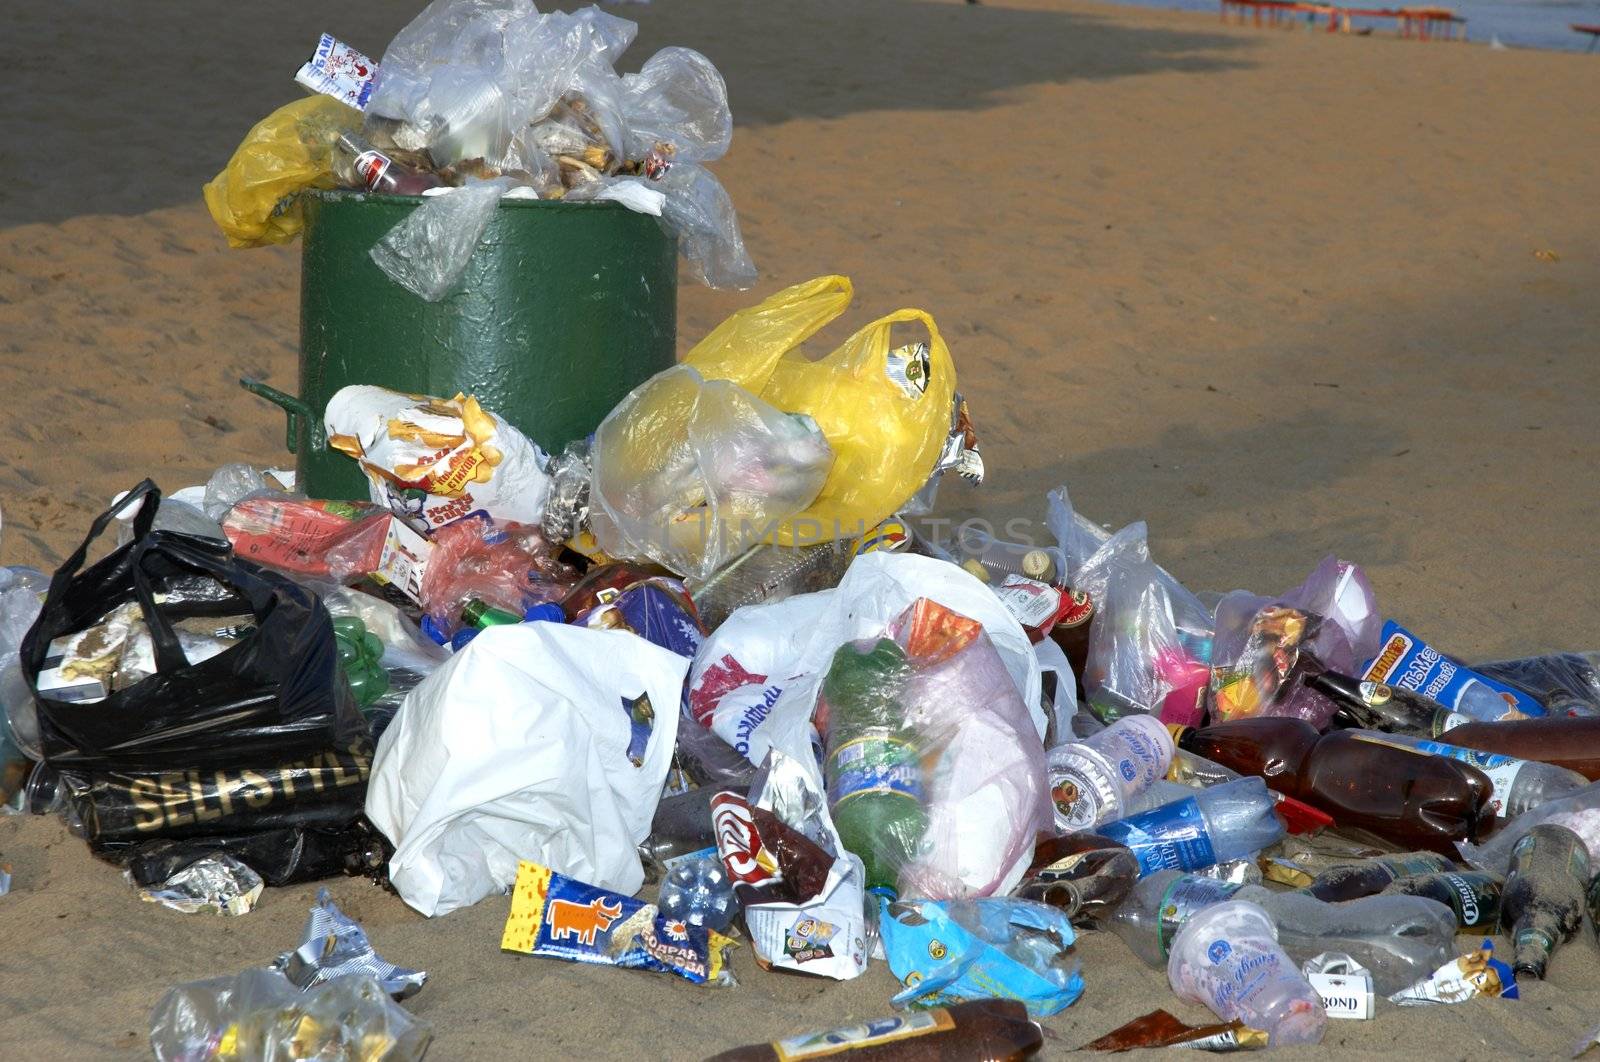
point(433, 630)
point(463, 636)
point(973, 568)
point(545, 612)
point(1036, 564)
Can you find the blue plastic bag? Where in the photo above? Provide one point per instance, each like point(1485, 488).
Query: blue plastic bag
point(949, 951)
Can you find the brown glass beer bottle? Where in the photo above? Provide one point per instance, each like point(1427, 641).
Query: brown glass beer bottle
point(1572, 742)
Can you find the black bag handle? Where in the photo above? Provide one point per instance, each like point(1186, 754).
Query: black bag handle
point(142, 522)
point(169, 652)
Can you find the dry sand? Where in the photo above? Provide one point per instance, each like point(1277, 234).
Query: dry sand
point(1277, 293)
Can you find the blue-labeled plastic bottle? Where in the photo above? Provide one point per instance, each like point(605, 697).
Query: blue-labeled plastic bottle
point(1224, 822)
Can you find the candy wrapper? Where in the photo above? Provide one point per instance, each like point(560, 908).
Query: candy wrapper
point(336, 945)
point(946, 951)
point(658, 610)
point(438, 459)
point(219, 884)
point(802, 900)
point(554, 915)
point(1477, 974)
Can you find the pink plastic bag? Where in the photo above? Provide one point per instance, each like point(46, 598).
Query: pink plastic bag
point(509, 566)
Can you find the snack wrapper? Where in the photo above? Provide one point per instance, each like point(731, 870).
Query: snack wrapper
point(947, 951)
point(438, 459)
point(657, 609)
point(1477, 974)
point(338, 70)
point(563, 918)
point(324, 539)
point(1160, 1029)
point(336, 945)
point(802, 900)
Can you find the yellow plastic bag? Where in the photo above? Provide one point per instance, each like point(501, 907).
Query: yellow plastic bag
point(253, 200)
point(885, 438)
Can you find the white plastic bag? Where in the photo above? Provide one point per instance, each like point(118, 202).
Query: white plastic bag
point(522, 746)
point(754, 681)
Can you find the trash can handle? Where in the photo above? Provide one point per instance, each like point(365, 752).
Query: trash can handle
point(295, 410)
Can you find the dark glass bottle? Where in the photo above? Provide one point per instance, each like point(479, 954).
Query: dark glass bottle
point(997, 1029)
point(1542, 903)
point(1368, 877)
point(1379, 706)
point(1473, 895)
point(1572, 742)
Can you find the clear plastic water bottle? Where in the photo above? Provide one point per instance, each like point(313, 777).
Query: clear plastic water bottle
point(1214, 825)
point(697, 891)
point(1400, 939)
point(1097, 779)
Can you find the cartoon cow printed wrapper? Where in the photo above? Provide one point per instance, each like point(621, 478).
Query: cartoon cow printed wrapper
point(554, 915)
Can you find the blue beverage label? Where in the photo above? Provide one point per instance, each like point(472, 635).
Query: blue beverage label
point(1410, 663)
point(1472, 756)
point(1170, 837)
point(875, 765)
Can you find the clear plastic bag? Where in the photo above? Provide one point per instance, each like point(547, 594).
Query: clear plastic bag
point(1134, 651)
point(1579, 813)
point(428, 252)
point(935, 772)
point(677, 106)
point(1261, 649)
point(1565, 683)
point(231, 484)
point(690, 473)
point(700, 213)
point(264, 1016)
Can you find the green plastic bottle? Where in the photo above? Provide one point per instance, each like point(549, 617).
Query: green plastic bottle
point(873, 768)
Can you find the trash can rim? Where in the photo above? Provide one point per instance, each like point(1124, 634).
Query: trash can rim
point(351, 195)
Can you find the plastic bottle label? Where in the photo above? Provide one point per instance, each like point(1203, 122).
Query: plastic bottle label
point(1080, 794)
point(871, 1034)
point(875, 765)
point(1171, 837)
point(1235, 969)
point(1183, 898)
point(1449, 721)
point(1501, 770)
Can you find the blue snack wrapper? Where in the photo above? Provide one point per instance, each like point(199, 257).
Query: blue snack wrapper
point(1412, 664)
point(563, 918)
point(949, 951)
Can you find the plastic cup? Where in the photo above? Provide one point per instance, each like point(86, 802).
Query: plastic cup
point(1227, 957)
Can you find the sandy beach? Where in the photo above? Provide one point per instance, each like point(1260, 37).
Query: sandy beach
point(1277, 294)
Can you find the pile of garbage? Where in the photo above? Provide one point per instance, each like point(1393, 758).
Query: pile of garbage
point(704, 678)
point(477, 100)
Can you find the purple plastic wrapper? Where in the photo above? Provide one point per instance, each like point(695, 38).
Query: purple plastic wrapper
point(1337, 593)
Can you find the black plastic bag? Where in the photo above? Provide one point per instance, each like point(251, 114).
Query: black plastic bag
point(275, 695)
point(280, 857)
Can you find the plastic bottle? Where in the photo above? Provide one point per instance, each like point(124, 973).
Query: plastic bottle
point(1214, 825)
point(360, 165)
point(990, 1029)
point(1518, 784)
point(1572, 742)
point(1541, 906)
point(697, 891)
point(1473, 895)
point(872, 768)
point(480, 614)
point(1368, 877)
point(1071, 633)
point(1399, 938)
point(1379, 706)
point(1404, 796)
point(1227, 957)
point(1096, 779)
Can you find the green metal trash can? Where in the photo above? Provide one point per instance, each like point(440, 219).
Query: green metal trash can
point(564, 309)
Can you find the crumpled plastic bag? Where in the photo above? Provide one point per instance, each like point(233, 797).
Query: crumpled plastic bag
point(428, 253)
point(1262, 651)
point(699, 210)
point(438, 459)
point(538, 741)
point(677, 105)
point(995, 948)
point(690, 473)
point(260, 1014)
point(253, 199)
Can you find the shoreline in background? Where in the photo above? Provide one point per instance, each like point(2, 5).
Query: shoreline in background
point(1544, 25)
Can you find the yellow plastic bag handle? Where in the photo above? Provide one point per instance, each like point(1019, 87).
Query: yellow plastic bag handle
point(748, 345)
